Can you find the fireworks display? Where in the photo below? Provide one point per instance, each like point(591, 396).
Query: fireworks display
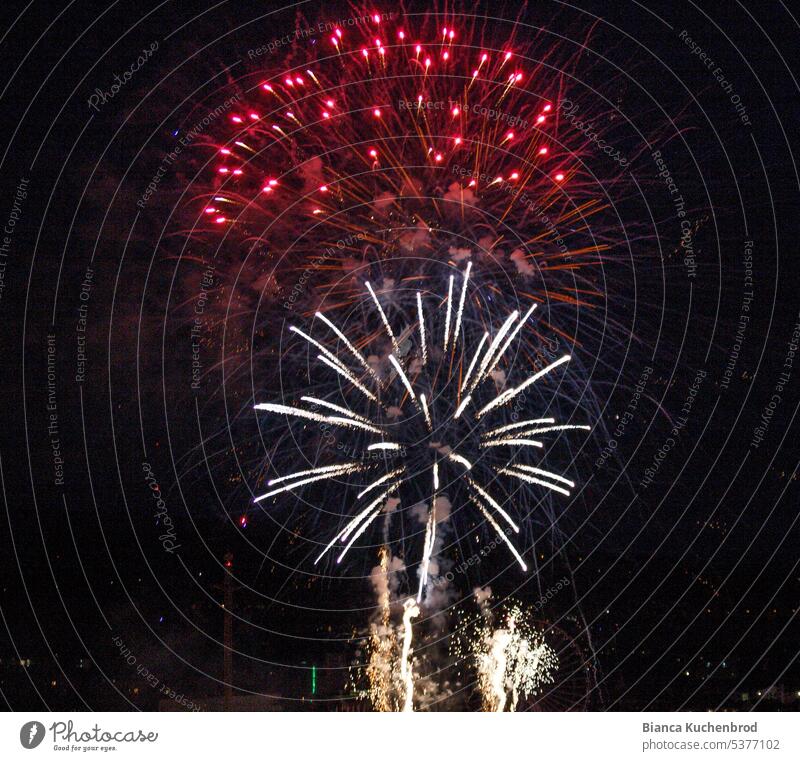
point(431, 401)
point(396, 144)
point(406, 357)
point(513, 661)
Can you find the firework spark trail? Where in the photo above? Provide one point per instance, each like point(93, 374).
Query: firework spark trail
point(511, 442)
point(381, 480)
point(428, 455)
point(403, 376)
point(532, 480)
point(423, 400)
point(461, 303)
point(449, 312)
point(352, 349)
point(487, 357)
point(495, 662)
point(508, 341)
point(471, 367)
point(508, 395)
point(546, 473)
point(519, 424)
point(406, 668)
point(483, 493)
point(309, 415)
point(341, 470)
point(383, 668)
point(351, 525)
point(422, 339)
point(551, 428)
point(430, 538)
point(386, 324)
point(349, 378)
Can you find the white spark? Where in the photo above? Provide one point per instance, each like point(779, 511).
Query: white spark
point(447, 318)
point(349, 377)
point(461, 407)
point(508, 395)
point(487, 357)
point(383, 445)
point(371, 506)
point(332, 357)
point(512, 443)
point(460, 460)
point(358, 534)
point(547, 473)
point(304, 481)
point(510, 339)
point(334, 407)
point(402, 375)
point(411, 611)
point(352, 524)
point(493, 502)
point(436, 475)
point(423, 342)
point(461, 303)
point(521, 424)
point(474, 360)
point(430, 538)
point(425, 412)
point(355, 352)
point(312, 471)
point(549, 429)
point(383, 317)
point(532, 480)
point(501, 534)
point(315, 416)
point(381, 480)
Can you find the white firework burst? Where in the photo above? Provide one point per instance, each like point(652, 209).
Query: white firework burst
point(436, 402)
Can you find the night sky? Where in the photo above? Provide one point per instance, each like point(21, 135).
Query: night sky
point(127, 478)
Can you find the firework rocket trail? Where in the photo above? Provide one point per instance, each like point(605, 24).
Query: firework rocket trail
point(411, 611)
point(467, 459)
